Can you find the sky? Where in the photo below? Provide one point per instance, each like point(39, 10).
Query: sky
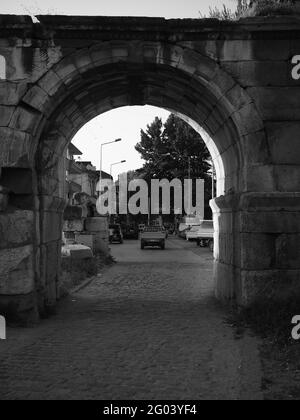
point(124, 123)
point(127, 122)
point(159, 8)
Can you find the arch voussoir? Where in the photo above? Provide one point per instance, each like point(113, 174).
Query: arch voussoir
point(108, 74)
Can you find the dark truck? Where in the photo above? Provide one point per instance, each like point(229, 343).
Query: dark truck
point(153, 236)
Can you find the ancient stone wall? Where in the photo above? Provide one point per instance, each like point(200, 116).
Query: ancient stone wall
point(236, 82)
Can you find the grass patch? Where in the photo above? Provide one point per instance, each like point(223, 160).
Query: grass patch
point(74, 272)
point(269, 318)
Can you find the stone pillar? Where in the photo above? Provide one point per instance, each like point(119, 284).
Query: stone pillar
point(18, 251)
point(259, 254)
point(270, 251)
point(51, 224)
point(226, 253)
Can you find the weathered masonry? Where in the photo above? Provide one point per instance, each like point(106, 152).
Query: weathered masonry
point(238, 81)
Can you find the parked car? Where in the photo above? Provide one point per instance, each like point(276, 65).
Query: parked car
point(115, 234)
point(192, 233)
point(141, 227)
point(153, 236)
point(131, 232)
point(205, 234)
point(182, 230)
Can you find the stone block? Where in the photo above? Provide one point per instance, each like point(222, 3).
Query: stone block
point(260, 178)
point(17, 180)
point(20, 310)
point(283, 141)
point(77, 251)
point(73, 213)
point(271, 201)
point(287, 177)
point(73, 225)
point(248, 120)
point(224, 223)
point(237, 97)
point(226, 250)
point(16, 228)
point(51, 83)
point(84, 239)
point(82, 60)
point(280, 285)
point(66, 70)
point(26, 120)
point(235, 50)
point(11, 93)
point(288, 251)
point(224, 279)
point(16, 271)
point(277, 103)
point(14, 148)
point(101, 242)
point(258, 73)
point(258, 251)
point(270, 222)
point(256, 148)
point(96, 224)
point(100, 54)
point(38, 99)
point(6, 113)
point(53, 258)
point(51, 203)
point(271, 50)
point(51, 226)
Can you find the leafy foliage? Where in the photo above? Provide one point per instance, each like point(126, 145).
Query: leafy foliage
point(175, 150)
point(171, 149)
point(252, 8)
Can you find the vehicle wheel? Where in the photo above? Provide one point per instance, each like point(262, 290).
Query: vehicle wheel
point(211, 245)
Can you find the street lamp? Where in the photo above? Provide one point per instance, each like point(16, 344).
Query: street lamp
point(114, 164)
point(101, 155)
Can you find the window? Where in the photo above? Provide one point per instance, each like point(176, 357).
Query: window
point(2, 67)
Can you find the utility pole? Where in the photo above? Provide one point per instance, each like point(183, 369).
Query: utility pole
point(212, 179)
point(101, 156)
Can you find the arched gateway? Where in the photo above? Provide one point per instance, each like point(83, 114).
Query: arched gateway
point(233, 82)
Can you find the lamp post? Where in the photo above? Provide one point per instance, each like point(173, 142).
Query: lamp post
point(101, 155)
point(212, 179)
point(114, 164)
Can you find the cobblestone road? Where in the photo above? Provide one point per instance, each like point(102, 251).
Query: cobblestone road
point(148, 328)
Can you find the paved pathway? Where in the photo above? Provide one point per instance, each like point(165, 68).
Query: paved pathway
point(148, 328)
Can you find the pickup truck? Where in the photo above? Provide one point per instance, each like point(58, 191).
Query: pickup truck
point(153, 236)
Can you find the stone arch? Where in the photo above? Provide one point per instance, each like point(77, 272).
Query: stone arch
point(109, 75)
point(224, 106)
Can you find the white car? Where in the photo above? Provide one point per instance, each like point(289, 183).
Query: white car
point(205, 234)
point(192, 233)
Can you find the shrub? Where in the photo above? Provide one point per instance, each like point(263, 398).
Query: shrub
point(252, 8)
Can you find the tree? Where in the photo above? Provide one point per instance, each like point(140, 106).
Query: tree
point(171, 149)
point(174, 150)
